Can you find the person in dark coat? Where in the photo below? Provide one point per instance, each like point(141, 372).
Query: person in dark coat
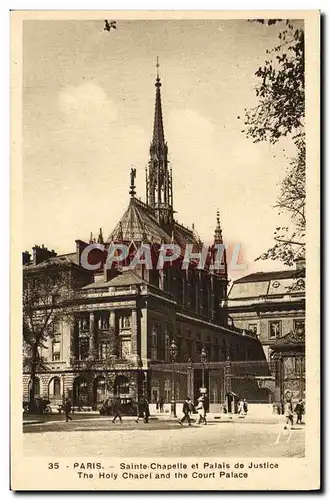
point(141, 407)
point(146, 411)
point(161, 404)
point(186, 410)
point(299, 411)
point(117, 411)
point(245, 406)
point(67, 409)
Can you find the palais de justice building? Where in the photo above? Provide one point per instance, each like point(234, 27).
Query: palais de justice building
point(125, 320)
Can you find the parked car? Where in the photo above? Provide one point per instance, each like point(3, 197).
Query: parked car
point(40, 406)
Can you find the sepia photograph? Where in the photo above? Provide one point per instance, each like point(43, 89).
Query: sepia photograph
point(163, 208)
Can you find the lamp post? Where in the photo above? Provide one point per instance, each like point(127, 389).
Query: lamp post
point(203, 361)
point(190, 387)
point(173, 350)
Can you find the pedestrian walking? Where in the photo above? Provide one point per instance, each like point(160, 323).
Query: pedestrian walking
point(201, 411)
point(161, 405)
point(146, 411)
point(186, 409)
point(288, 414)
point(67, 409)
point(299, 411)
point(140, 410)
point(240, 409)
point(117, 411)
point(245, 406)
point(143, 411)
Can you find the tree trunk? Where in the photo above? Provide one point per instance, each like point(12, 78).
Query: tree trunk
point(34, 358)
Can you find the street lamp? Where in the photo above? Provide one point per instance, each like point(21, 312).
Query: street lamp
point(173, 350)
point(203, 361)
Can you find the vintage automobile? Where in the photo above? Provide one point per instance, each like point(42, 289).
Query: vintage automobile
point(39, 406)
point(128, 407)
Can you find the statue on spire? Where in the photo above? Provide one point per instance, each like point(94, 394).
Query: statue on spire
point(132, 191)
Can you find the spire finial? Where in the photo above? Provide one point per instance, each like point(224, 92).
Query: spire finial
point(158, 84)
point(218, 230)
point(100, 237)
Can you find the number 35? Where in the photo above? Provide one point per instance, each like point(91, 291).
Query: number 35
point(54, 465)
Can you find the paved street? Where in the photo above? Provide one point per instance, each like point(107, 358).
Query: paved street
point(101, 438)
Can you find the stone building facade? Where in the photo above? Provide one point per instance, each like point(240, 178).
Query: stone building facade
point(125, 317)
point(272, 306)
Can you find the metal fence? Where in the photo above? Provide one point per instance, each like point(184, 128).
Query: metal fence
point(252, 380)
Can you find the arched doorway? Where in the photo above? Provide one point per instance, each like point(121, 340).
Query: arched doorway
point(80, 392)
point(54, 389)
point(121, 386)
point(99, 390)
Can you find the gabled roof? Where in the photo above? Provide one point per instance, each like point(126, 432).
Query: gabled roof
point(64, 259)
point(273, 275)
point(268, 285)
point(127, 278)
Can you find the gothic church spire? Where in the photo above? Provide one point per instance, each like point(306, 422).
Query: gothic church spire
point(159, 176)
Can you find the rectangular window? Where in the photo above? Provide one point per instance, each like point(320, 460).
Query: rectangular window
point(274, 329)
point(125, 322)
point(299, 325)
point(56, 351)
point(103, 350)
point(104, 322)
point(253, 327)
point(84, 325)
point(83, 349)
point(154, 342)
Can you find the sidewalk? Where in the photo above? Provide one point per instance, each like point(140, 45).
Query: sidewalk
point(165, 417)
point(226, 417)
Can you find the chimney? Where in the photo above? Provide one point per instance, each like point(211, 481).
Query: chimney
point(26, 256)
point(40, 254)
point(80, 245)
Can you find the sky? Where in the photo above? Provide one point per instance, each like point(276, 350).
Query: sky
point(88, 106)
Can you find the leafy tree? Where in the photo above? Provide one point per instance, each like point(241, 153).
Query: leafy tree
point(47, 302)
point(280, 112)
point(291, 200)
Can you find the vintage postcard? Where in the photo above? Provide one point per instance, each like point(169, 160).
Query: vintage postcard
point(165, 323)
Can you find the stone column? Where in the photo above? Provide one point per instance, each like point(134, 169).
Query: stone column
point(92, 340)
point(134, 332)
point(113, 335)
point(278, 393)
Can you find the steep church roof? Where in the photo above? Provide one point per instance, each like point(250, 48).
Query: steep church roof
point(140, 225)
